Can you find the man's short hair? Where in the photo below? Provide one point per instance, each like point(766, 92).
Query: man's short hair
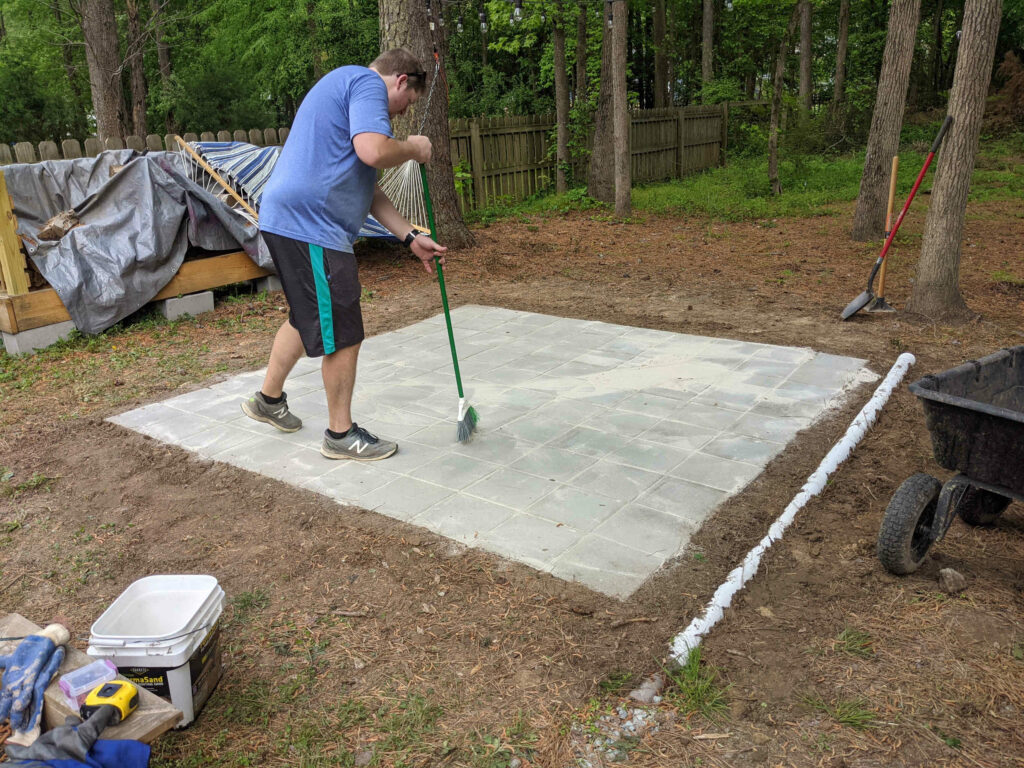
point(399, 61)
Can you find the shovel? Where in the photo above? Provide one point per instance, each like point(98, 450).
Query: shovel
point(865, 298)
point(880, 304)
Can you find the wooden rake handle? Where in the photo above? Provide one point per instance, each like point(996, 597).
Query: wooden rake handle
point(216, 176)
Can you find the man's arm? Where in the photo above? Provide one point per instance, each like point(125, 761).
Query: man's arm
point(380, 151)
point(423, 247)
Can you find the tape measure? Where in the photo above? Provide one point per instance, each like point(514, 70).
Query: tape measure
point(119, 694)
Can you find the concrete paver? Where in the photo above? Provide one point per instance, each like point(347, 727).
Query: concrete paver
point(601, 448)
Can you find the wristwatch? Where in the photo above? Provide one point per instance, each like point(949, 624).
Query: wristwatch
point(413, 234)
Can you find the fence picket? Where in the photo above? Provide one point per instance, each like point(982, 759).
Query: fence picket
point(24, 152)
point(48, 150)
point(154, 143)
point(135, 142)
point(5, 154)
point(223, 135)
point(71, 149)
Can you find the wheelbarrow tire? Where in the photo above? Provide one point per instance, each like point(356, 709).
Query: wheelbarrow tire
point(978, 506)
point(906, 535)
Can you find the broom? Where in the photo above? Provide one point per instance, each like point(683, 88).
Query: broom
point(467, 416)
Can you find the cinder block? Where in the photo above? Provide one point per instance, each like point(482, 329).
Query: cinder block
point(37, 338)
point(193, 304)
point(268, 284)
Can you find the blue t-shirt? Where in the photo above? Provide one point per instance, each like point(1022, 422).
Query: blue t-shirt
point(320, 191)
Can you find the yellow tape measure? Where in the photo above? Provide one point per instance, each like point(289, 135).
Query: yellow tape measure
point(119, 694)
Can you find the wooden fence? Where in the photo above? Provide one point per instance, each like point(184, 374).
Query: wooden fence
point(497, 158)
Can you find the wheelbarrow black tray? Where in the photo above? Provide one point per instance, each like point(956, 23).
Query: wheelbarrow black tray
point(975, 415)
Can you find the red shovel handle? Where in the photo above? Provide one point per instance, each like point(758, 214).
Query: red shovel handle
point(920, 177)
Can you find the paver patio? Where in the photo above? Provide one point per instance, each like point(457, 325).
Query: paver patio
point(601, 448)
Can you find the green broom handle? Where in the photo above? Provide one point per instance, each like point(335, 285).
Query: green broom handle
point(440, 279)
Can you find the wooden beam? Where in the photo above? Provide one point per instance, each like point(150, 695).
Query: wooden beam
point(203, 274)
point(44, 307)
point(153, 717)
point(12, 260)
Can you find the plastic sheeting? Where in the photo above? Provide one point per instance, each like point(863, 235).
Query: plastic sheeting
point(136, 226)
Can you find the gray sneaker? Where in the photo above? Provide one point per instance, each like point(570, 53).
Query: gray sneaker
point(357, 444)
point(256, 407)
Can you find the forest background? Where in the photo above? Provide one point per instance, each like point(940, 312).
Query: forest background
point(207, 65)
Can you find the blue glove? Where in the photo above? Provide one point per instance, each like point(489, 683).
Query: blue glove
point(27, 672)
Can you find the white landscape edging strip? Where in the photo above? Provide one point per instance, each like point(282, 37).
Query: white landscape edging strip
point(690, 638)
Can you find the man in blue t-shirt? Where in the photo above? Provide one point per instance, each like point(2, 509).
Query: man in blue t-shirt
point(314, 204)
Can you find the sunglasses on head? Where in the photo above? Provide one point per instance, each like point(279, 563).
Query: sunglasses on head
point(421, 75)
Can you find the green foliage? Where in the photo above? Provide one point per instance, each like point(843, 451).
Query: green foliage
point(722, 89)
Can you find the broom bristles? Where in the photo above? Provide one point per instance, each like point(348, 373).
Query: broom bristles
point(467, 424)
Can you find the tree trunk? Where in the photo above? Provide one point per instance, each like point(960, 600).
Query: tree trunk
point(839, 89)
point(137, 77)
point(561, 104)
point(707, 73)
point(623, 186)
point(70, 69)
point(936, 77)
point(314, 48)
point(581, 54)
point(886, 120)
point(661, 94)
point(601, 175)
point(99, 30)
point(163, 57)
point(936, 291)
point(806, 87)
point(403, 24)
point(773, 123)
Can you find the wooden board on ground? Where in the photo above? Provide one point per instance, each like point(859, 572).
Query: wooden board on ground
point(153, 717)
point(44, 307)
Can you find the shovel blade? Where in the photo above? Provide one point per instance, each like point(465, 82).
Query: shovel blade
point(879, 305)
point(857, 305)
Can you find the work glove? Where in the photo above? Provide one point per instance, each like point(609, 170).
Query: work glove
point(27, 672)
point(76, 744)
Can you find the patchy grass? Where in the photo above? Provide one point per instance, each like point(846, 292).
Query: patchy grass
point(1007, 277)
point(694, 688)
point(10, 487)
point(853, 713)
point(616, 682)
point(855, 643)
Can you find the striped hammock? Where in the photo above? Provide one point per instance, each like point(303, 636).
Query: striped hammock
point(247, 168)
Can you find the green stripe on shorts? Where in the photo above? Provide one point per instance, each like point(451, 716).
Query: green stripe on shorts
point(323, 297)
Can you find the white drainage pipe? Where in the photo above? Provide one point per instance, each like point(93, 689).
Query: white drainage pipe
point(690, 638)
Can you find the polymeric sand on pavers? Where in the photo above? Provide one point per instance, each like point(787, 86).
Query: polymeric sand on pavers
point(600, 449)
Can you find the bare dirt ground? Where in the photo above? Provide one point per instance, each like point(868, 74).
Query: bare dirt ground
point(350, 637)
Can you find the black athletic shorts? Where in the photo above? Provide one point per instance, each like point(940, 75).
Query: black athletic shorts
point(323, 292)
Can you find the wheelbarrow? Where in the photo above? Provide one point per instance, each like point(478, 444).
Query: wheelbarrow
point(975, 416)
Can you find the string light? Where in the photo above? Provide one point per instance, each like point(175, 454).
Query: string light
point(483, 22)
point(430, 16)
point(458, 26)
point(517, 10)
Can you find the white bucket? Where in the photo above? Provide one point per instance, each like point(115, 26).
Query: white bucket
point(163, 633)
